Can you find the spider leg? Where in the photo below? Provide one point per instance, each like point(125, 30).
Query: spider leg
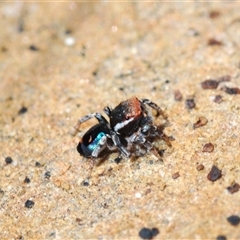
point(108, 110)
point(137, 144)
point(100, 146)
point(116, 144)
point(140, 149)
point(154, 106)
point(165, 138)
point(97, 115)
point(119, 145)
point(151, 131)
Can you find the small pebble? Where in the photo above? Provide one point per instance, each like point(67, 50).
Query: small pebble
point(200, 122)
point(218, 99)
point(178, 95)
point(200, 167)
point(193, 32)
point(208, 147)
point(234, 220)
point(214, 174)
point(210, 84)
point(117, 160)
point(3, 49)
point(27, 180)
point(190, 104)
point(8, 160)
point(175, 175)
point(22, 110)
point(38, 164)
point(214, 14)
point(69, 41)
point(138, 195)
point(68, 31)
point(29, 204)
point(20, 26)
point(213, 41)
point(231, 91)
point(33, 48)
point(221, 237)
point(1, 192)
point(151, 162)
point(233, 188)
point(85, 183)
point(47, 175)
point(78, 220)
point(52, 235)
point(155, 232)
point(148, 191)
point(147, 233)
point(95, 72)
point(225, 78)
point(167, 81)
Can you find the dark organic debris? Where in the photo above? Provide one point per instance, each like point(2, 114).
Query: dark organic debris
point(209, 84)
point(213, 83)
point(231, 91)
point(200, 122)
point(233, 188)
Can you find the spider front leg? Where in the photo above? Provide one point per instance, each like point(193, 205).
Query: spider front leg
point(143, 147)
point(154, 106)
point(166, 139)
point(108, 110)
point(118, 144)
point(97, 115)
point(100, 146)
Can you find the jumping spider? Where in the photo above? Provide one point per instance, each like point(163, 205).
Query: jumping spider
point(130, 130)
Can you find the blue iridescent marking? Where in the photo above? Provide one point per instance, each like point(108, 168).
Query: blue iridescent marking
point(96, 141)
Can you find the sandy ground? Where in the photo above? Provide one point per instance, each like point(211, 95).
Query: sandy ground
point(61, 61)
